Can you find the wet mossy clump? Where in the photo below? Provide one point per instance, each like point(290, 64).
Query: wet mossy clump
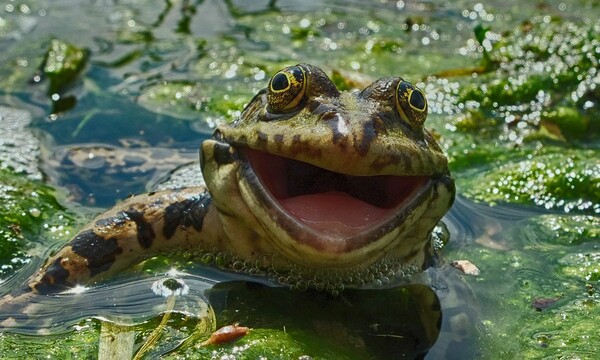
point(29, 213)
point(63, 66)
point(529, 126)
point(561, 179)
point(543, 83)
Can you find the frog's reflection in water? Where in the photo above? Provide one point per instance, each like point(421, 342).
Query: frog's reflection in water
point(402, 322)
point(411, 321)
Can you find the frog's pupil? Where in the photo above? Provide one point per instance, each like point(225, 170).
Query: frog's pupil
point(417, 100)
point(280, 82)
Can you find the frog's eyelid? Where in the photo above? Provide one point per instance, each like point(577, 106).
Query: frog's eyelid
point(298, 98)
point(399, 99)
point(401, 112)
point(256, 96)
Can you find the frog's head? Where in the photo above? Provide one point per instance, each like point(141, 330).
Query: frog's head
point(327, 178)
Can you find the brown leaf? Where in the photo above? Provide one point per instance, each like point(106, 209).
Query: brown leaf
point(226, 334)
point(466, 267)
point(543, 303)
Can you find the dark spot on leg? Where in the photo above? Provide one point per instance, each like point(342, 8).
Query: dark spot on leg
point(188, 212)
point(99, 252)
point(145, 232)
point(54, 279)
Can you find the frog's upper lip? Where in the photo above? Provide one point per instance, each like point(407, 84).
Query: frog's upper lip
point(326, 210)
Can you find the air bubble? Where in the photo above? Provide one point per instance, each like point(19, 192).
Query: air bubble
point(301, 285)
point(207, 258)
point(385, 272)
point(35, 212)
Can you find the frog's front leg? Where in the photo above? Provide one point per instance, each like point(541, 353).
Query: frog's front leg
point(133, 230)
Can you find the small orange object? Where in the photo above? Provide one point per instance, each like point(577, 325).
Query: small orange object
point(226, 334)
point(466, 267)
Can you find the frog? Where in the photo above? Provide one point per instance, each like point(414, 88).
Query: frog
point(310, 187)
point(309, 180)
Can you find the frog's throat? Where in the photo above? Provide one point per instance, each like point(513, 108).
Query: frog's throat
point(322, 217)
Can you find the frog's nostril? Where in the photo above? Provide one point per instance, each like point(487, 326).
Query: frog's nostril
point(217, 135)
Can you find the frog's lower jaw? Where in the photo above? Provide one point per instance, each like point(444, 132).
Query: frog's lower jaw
point(340, 221)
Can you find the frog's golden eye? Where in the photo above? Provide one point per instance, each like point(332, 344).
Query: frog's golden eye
point(286, 89)
point(411, 103)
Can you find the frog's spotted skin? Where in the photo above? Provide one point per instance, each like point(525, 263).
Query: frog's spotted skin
point(128, 233)
point(308, 179)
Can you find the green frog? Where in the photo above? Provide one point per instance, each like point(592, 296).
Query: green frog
point(310, 186)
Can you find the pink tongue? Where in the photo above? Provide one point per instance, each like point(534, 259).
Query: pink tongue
point(334, 212)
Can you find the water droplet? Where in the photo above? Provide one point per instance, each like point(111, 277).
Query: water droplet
point(35, 212)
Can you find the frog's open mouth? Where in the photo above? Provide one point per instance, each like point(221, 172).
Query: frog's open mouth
point(335, 205)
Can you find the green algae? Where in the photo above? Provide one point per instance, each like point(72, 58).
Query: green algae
point(583, 266)
point(79, 344)
point(188, 100)
point(565, 332)
point(568, 229)
point(50, 65)
point(539, 90)
point(29, 212)
point(267, 344)
point(568, 180)
point(63, 65)
point(544, 84)
point(176, 99)
point(549, 256)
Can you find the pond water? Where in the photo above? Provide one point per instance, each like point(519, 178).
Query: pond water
point(156, 78)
